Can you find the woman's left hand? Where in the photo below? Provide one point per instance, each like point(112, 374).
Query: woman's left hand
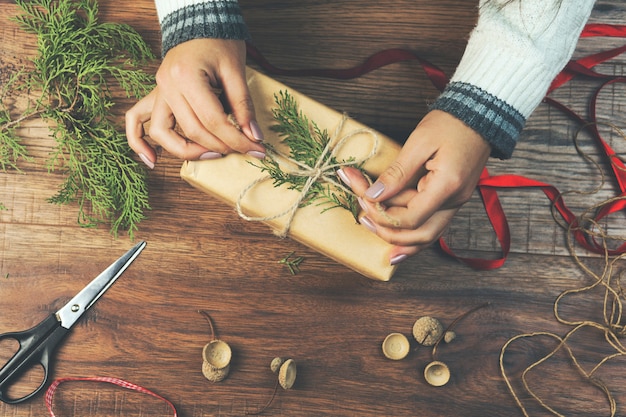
point(436, 172)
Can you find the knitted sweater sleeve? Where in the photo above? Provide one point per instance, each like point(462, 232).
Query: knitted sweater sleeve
point(183, 20)
point(512, 56)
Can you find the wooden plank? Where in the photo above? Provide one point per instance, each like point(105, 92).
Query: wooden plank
point(200, 255)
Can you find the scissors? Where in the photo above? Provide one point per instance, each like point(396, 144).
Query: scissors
point(37, 344)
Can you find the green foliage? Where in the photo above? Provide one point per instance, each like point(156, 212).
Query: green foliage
point(78, 59)
point(306, 142)
point(11, 150)
point(292, 262)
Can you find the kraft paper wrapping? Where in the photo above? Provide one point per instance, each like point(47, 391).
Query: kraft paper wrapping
point(334, 233)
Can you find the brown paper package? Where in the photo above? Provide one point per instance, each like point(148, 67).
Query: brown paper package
point(334, 233)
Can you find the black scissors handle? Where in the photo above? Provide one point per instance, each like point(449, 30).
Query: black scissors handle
point(35, 347)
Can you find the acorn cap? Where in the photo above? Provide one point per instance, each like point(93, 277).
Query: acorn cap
point(396, 346)
point(276, 363)
point(287, 374)
point(437, 374)
point(427, 330)
point(213, 374)
point(217, 354)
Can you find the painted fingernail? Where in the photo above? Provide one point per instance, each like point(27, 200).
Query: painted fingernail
point(342, 175)
point(257, 133)
point(146, 161)
point(257, 154)
point(375, 190)
point(397, 259)
point(210, 155)
point(362, 204)
point(368, 224)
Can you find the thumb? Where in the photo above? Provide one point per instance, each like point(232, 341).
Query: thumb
point(398, 176)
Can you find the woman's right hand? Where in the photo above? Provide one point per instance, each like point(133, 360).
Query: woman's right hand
point(185, 97)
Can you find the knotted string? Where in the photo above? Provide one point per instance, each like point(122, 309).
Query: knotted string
point(319, 172)
point(611, 327)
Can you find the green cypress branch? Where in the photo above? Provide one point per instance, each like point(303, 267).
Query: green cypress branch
point(11, 150)
point(78, 61)
point(306, 142)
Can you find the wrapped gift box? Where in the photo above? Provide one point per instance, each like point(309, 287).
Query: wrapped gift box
point(334, 233)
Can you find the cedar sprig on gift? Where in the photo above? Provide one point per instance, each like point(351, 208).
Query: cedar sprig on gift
point(68, 85)
point(306, 143)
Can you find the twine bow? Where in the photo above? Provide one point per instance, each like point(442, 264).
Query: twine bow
point(316, 173)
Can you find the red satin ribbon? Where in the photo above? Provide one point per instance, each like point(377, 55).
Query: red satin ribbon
point(115, 381)
point(603, 29)
point(488, 185)
point(373, 62)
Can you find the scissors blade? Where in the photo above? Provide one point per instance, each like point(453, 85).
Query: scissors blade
point(71, 312)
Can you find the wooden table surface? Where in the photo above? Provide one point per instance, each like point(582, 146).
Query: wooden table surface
point(330, 320)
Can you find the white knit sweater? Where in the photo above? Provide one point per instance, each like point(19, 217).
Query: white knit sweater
point(512, 56)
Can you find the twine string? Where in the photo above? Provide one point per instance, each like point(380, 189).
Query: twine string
point(612, 326)
point(317, 173)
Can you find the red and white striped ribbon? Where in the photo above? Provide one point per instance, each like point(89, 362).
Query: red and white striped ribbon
point(115, 381)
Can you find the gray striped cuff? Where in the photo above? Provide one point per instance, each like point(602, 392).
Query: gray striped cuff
point(496, 121)
point(219, 19)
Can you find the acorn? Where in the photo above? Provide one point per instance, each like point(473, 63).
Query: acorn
point(396, 346)
point(449, 336)
point(213, 374)
point(427, 330)
point(276, 364)
point(287, 374)
point(216, 357)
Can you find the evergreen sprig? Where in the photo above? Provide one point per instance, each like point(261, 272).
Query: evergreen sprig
point(11, 150)
point(78, 60)
point(292, 262)
point(306, 142)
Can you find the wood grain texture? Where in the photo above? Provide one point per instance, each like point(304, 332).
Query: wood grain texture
point(200, 255)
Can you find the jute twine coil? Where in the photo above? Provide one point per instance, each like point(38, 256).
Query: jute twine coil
point(612, 326)
point(316, 173)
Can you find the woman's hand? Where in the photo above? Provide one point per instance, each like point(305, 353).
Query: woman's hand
point(186, 97)
point(435, 173)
